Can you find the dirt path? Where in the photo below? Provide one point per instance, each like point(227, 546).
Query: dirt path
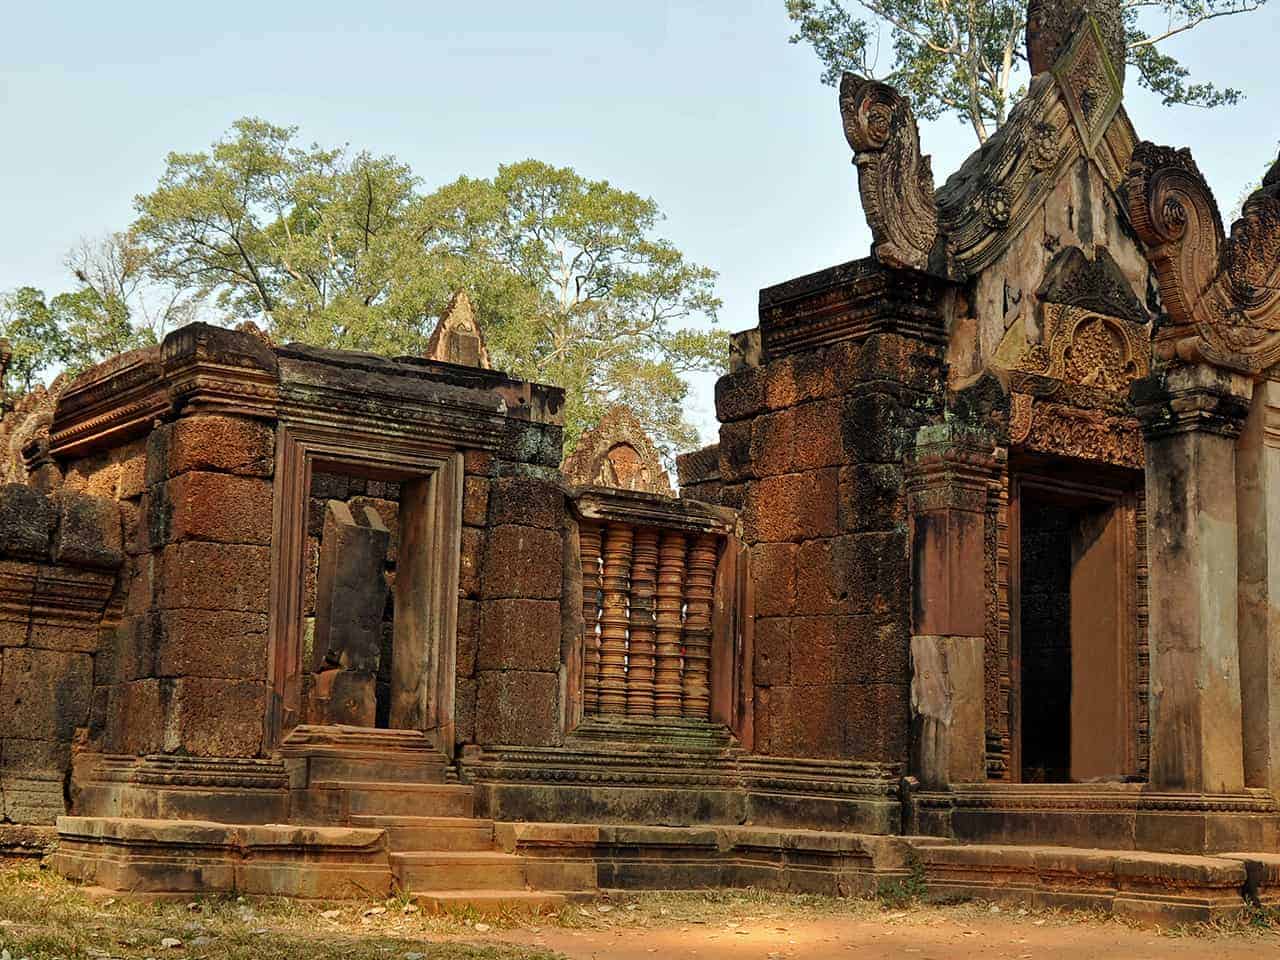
point(922, 935)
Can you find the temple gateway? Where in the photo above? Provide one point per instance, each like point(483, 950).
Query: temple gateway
point(977, 586)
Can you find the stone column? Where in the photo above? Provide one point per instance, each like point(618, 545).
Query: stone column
point(1191, 416)
point(1258, 510)
point(947, 494)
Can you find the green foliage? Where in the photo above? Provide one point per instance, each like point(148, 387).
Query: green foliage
point(566, 274)
point(964, 59)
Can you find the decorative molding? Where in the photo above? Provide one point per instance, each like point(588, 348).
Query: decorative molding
point(1221, 294)
point(1079, 433)
point(894, 180)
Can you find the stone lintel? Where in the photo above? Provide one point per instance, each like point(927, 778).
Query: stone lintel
point(650, 509)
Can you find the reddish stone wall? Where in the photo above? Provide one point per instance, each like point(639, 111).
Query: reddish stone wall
point(59, 557)
point(190, 653)
point(811, 450)
point(513, 573)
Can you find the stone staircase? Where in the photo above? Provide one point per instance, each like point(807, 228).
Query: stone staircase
point(441, 855)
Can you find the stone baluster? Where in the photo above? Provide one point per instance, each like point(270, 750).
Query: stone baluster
point(589, 544)
point(640, 665)
point(670, 626)
point(614, 619)
point(699, 594)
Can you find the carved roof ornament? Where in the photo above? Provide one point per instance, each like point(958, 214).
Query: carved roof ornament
point(1072, 109)
point(894, 180)
point(457, 338)
point(617, 453)
point(1221, 293)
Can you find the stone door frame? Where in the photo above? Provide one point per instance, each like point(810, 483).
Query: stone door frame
point(1100, 488)
point(431, 478)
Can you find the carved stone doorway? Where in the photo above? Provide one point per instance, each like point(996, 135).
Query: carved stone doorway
point(420, 681)
point(1077, 649)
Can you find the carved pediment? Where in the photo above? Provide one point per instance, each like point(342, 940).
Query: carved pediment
point(1221, 293)
point(1069, 112)
point(617, 453)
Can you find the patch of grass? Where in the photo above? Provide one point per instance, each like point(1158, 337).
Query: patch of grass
point(42, 917)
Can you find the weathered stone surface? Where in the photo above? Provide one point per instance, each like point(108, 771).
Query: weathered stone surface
point(197, 505)
point(216, 718)
point(475, 501)
point(89, 532)
point(46, 693)
point(519, 635)
point(522, 562)
point(525, 501)
point(351, 591)
point(773, 566)
point(947, 703)
point(228, 444)
point(792, 507)
point(871, 497)
point(468, 636)
point(518, 708)
point(215, 576)
point(470, 561)
point(27, 519)
point(211, 643)
point(772, 663)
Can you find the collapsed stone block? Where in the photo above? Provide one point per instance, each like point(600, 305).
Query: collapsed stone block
point(351, 597)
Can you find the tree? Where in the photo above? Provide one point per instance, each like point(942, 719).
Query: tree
point(346, 250)
point(964, 58)
point(113, 308)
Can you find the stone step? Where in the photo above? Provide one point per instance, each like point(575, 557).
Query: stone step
point(433, 769)
point(427, 871)
point(408, 834)
point(379, 798)
point(491, 901)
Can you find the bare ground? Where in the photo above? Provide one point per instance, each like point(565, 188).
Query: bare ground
point(42, 917)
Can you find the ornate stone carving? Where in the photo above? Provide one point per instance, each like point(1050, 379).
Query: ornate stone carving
point(457, 338)
point(699, 596)
point(614, 619)
point(1069, 431)
point(894, 180)
point(1221, 294)
point(1051, 25)
point(617, 453)
point(1089, 349)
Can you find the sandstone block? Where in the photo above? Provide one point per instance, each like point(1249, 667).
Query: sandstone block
point(215, 576)
point(519, 635)
point(735, 452)
point(795, 506)
point(821, 588)
point(389, 512)
point(816, 440)
point(527, 502)
point(876, 428)
point(873, 649)
point(46, 693)
point(773, 567)
point(468, 636)
point(874, 569)
point(475, 501)
point(740, 395)
point(227, 444)
point(27, 519)
point(89, 532)
point(871, 497)
point(136, 716)
point(878, 718)
point(477, 463)
point(133, 470)
point(464, 710)
point(216, 718)
point(805, 721)
point(522, 562)
point(351, 591)
point(212, 644)
point(471, 560)
point(212, 506)
point(519, 708)
point(773, 443)
point(814, 646)
point(771, 665)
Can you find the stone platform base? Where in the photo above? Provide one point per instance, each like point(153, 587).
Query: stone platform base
point(1157, 888)
point(538, 862)
point(1117, 816)
point(193, 857)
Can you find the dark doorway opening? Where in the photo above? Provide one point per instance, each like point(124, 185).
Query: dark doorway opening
point(1075, 637)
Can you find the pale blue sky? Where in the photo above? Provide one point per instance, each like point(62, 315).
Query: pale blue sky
point(704, 106)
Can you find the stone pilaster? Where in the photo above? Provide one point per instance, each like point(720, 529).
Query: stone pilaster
point(1258, 513)
point(948, 479)
point(1191, 416)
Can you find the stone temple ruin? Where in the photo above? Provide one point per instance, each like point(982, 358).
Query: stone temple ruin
point(976, 587)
